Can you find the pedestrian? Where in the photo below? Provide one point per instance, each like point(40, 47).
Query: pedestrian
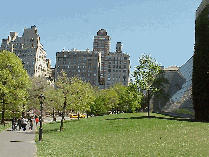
point(24, 123)
point(37, 120)
point(31, 124)
point(14, 126)
point(19, 123)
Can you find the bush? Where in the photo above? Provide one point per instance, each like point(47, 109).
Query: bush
point(184, 111)
point(9, 115)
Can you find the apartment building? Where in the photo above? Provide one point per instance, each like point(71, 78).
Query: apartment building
point(29, 49)
point(102, 44)
point(83, 64)
point(117, 67)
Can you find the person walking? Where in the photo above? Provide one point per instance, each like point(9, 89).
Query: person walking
point(24, 123)
point(37, 120)
point(19, 123)
point(31, 124)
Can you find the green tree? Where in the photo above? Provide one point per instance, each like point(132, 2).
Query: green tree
point(129, 97)
point(105, 100)
point(98, 107)
point(146, 76)
point(111, 99)
point(82, 95)
point(79, 95)
point(14, 82)
point(39, 85)
point(133, 98)
point(54, 99)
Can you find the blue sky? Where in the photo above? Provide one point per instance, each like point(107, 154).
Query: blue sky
point(163, 28)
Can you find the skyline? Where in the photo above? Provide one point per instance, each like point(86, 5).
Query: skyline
point(165, 28)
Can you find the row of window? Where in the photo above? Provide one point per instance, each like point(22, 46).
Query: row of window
point(78, 55)
point(120, 67)
point(74, 59)
point(75, 66)
point(116, 79)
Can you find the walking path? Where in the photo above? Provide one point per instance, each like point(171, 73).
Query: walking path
point(20, 143)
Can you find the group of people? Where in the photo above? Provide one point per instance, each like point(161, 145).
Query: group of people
point(23, 122)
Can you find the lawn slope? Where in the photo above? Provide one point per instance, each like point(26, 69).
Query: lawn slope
point(125, 135)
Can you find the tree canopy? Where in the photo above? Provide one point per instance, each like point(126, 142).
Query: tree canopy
point(150, 76)
point(14, 82)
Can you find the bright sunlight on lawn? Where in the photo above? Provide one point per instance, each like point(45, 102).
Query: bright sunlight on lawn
point(125, 135)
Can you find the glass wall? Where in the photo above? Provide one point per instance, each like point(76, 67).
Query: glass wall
point(179, 89)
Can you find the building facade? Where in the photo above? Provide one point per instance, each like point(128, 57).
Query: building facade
point(29, 49)
point(102, 44)
point(83, 64)
point(117, 67)
point(179, 89)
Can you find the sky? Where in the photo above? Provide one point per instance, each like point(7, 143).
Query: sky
point(163, 28)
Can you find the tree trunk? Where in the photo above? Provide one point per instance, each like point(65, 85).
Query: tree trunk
point(148, 103)
point(78, 115)
point(3, 111)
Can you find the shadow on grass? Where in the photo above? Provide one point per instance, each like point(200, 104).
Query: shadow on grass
point(170, 118)
point(50, 130)
point(178, 118)
point(116, 118)
point(58, 122)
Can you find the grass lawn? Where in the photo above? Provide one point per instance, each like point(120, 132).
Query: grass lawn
point(7, 125)
point(125, 135)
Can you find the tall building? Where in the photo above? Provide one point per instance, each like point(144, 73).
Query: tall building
point(102, 44)
point(83, 64)
point(29, 49)
point(200, 78)
point(118, 67)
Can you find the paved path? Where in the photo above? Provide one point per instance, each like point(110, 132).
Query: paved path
point(20, 143)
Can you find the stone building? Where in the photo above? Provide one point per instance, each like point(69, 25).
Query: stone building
point(83, 64)
point(29, 49)
point(118, 67)
point(102, 44)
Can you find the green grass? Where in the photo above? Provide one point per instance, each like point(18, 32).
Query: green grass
point(184, 111)
point(125, 135)
point(7, 125)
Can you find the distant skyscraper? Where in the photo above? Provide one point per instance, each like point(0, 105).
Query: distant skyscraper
point(102, 44)
point(29, 49)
